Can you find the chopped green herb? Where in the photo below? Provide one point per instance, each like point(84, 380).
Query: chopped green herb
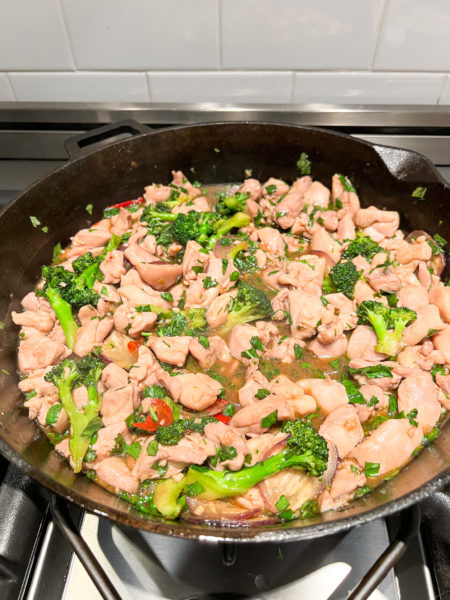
point(352, 389)
point(262, 393)
point(152, 448)
point(269, 420)
point(334, 364)
point(271, 189)
point(53, 414)
point(373, 372)
point(89, 209)
point(304, 164)
point(44, 229)
point(204, 341)
point(371, 469)
point(35, 221)
point(298, 351)
point(282, 503)
point(354, 469)
point(167, 296)
point(362, 491)
point(346, 183)
point(209, 283)
point(419, 193)
point(229, 410)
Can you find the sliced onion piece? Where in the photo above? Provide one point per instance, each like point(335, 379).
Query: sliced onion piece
point(297, 486)
point(331, 262)
point(219, 512)
point(115, 349)
point(437, 262)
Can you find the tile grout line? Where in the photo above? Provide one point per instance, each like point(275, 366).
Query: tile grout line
point(444, 85)
point(291, 101)
point(149, 89)
point(381, 25)
point(66, 31)
point(8, 79)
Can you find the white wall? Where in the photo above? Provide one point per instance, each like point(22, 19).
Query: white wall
point(345, 51)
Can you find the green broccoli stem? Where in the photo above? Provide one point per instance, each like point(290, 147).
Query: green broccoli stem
point(63, 311)
point(237, 221)
point(389, 341)
point(79, 419)
point(220, 484)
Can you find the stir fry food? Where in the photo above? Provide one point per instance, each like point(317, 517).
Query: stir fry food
point(240, 354)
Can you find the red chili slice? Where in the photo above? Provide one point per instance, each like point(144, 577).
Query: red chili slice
point(132, 346)
point(163, 413)
point(224, 418)
point(127, 203)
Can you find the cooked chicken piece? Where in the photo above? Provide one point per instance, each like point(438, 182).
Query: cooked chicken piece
point(414, 297)
point(348, 478)
point(307, 273)
point(440, 296)
point(420, 393)
point(382, 222)
point(322, 241)
point(112, 267)
point(329, 351)
point(107, 436)
point(306, 312)
point(428, 321)
point(115, 472)
point(390, 445)
point(271, 241)
point(417, 250)
point(40, 320)
point(329, 394)
point(119, 403)
point(225, 435)
point(171, 350)
point(290, 206)
point(196, 391)
point(342, 427)
point(441, 342)
point(362, 344)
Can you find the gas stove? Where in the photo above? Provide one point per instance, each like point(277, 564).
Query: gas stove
point(35, 560)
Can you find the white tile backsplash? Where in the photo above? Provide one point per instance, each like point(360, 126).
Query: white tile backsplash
point(415, 36)
point(80, 87)
point(262, 86)
point(299, 34)
point(32, 36)
point(143, 34)
point(6, 93)
point(368, 88)
point(256, 51)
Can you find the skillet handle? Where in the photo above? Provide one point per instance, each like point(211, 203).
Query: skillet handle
point(81, 144)
point(408, 165)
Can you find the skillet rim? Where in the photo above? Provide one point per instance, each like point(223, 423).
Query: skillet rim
point(238, 534)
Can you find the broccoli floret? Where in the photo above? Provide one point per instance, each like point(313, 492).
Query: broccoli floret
point(228, 205)
point(250, 304)
point(362, 245)
point(84, 422)
point(196, 321)
point(306, 450)
point(175, 326)
point(66, 290)
point(344, 276)
point(159, 223)
point(198, 226)
point(171, 434)
point(191, 322)
point(387, 322)
point(203, 227)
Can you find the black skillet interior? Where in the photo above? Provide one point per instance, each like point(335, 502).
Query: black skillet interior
point(213, 153)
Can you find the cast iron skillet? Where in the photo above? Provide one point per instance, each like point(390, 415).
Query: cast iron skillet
point(213, 153)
